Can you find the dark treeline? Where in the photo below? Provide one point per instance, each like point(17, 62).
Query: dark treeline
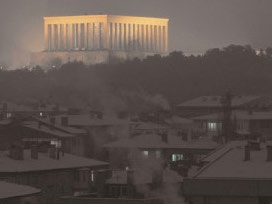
point(175, 77)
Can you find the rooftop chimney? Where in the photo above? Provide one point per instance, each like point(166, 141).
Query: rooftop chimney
point(269, 153)
point(64, 121)
point(247, 153)
point(34, 152)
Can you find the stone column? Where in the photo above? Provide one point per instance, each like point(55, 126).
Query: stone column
point(91, 36)
point(149, 37)
point(86, 38)
point(106, 35)
point(136, 37)
point(113, 32)
point(139, 36)
point(130, 42)
point(46, 38)
point(70, 38)
point(145, 45)
point(64, 37)
point(53, 37)
point(159, 43)
point(59, 37)
point(118, 36)
point(163, 38)
point(166, 38)
point(123, 37)
point(79, 39)
point(157, 39)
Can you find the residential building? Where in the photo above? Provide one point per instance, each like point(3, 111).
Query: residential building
point(54, 172)
point(11, 193)
point(204, 105)
point(238, 173)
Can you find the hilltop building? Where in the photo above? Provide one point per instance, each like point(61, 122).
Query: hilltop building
point(99, 38)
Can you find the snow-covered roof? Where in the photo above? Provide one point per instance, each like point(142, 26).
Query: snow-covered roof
point(35, 126)
point(149, 126)
point(44, 162)
point(154, 141)
point(178, 120)
point(230, 163)
point(215, 101)
point(239, 115)
point(62, 128)
point(86, 120)
point(11, 190)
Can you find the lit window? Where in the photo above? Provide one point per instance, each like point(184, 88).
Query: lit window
point(92, 176)
point(57, 143)
point(41, 114)
point(177, 157)
point(212, 126)
point(145, 154)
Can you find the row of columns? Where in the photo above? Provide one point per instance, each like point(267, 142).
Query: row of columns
point(140, 37)
point(76, 36)
point(114, 36)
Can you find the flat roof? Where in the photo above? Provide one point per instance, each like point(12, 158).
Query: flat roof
point(105, 16)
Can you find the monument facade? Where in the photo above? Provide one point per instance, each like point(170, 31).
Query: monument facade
point(97, 38)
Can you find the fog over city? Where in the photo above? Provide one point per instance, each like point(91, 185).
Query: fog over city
point(195, 25)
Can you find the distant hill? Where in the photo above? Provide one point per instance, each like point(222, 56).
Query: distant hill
point(140, 84)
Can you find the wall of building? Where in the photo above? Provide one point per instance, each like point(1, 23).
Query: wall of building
point(74, 200)
point(224, 200)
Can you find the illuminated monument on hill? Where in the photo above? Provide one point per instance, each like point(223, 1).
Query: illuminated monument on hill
point(98, 38)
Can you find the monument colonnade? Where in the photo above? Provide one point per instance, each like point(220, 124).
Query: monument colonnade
point(92, 32)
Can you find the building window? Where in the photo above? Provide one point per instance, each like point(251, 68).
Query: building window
point(177, 157)
point(92, 176)
point(8, 115)
point(212, 126)
point(145, 154)
point(158, 154)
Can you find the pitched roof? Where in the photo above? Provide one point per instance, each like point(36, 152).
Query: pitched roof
point(239, 115)
point(11, 190)
point(230, 164)
point(86, 120)
point(59, 127)
point(215, 101)
point(44, 162)
point(149, 126)
point(35, 126)
point(178, 120)
point(154, 141)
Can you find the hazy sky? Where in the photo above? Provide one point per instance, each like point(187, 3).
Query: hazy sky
point(195, 25)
